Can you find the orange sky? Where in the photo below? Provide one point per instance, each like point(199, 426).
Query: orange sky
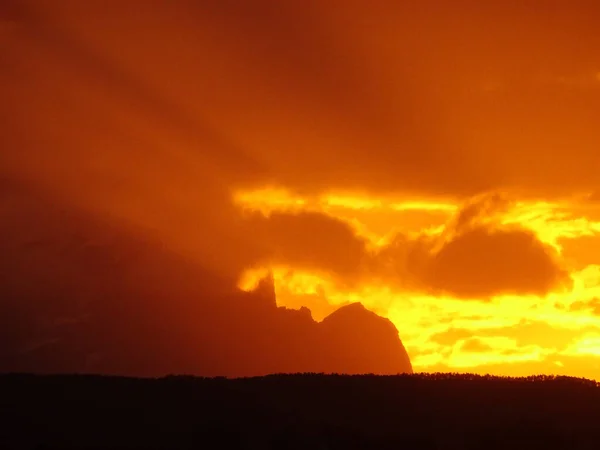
point(435, 160)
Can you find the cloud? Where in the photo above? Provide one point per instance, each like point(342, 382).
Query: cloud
point(485, 262)
point(475, 256)
point(451, 336)
point(308, 240)
point(479, 210)
point(402, 262)
point(523, 334)
point(592, 306)
point(476, 345)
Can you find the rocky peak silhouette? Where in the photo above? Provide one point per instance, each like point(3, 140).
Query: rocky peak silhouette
point(365, 342)
point(91, 296)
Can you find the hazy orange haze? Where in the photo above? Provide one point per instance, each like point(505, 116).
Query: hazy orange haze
point(437, 161)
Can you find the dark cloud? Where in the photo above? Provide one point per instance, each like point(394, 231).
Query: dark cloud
point(477, 257)
point(308, 241)
point(485, 262)
point(402, 262)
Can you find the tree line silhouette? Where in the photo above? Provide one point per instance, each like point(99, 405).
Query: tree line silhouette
point(311, 410)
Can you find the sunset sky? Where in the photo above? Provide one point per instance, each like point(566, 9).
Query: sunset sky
point(437, 161)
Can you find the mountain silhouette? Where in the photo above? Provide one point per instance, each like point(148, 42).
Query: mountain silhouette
point(372, 346)
point(86, 294)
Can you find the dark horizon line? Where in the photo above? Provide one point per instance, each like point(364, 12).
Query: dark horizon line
point(429, 376)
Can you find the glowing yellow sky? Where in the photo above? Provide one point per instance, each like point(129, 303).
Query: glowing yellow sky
point(508, 334)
